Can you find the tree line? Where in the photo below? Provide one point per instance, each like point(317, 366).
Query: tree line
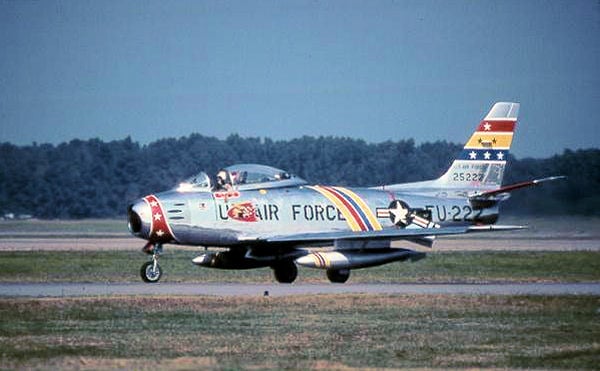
point(97, 179)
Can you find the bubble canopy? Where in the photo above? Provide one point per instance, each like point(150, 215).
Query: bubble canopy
point(243, 177)
point(254, 176)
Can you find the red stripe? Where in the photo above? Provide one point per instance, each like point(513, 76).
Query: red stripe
point(421, 222)
point(321, 260)
point(160, 224)
point(497, 125)
point(350, 208)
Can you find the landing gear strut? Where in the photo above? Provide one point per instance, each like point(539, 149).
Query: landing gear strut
point(151, 271)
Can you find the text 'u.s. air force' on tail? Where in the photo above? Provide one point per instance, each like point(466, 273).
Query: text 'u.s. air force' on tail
point(257, 216)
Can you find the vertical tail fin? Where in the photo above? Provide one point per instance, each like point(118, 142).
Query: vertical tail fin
point(481, 163)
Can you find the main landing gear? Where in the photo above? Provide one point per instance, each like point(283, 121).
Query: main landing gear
point(285, 272)
point(338, 275)
point(151, 271)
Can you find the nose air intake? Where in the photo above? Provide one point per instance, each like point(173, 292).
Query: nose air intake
point(134, 222)
point(147, 219)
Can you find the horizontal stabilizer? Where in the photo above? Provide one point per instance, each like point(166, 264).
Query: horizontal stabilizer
point(479, 196)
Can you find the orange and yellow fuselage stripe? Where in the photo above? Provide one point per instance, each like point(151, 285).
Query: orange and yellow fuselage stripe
point(354, 209)
point(364, 208)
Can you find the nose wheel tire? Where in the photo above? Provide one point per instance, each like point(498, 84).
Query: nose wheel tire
point(151, 272)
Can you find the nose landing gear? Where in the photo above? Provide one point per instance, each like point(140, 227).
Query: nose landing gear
point(151, 270)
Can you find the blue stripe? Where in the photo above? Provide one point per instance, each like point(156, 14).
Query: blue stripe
point(480, 154)
point(360, 212)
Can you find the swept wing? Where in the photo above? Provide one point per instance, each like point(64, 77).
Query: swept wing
point(390, 234)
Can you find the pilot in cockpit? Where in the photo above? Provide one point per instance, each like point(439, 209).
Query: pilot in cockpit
point(223, 181)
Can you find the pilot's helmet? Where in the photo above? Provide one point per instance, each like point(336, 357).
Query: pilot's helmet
point(222, 177)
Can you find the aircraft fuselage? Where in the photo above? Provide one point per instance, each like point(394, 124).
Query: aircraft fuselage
point(221, 218)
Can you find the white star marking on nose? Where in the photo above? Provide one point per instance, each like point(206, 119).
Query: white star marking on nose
point(472, 155)
point(487, 155)
point(157, 216)
point(487, 126)
point(500, 156)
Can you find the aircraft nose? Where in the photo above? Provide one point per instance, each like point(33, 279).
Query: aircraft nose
point(139, 219)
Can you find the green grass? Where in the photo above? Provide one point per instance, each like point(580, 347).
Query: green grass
point(84, 227)
point(324, 331)
point(123, 266)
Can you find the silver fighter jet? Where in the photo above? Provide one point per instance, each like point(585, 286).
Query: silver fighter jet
point(255, 216)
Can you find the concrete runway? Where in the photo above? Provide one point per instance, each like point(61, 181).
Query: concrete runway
point(249, 290)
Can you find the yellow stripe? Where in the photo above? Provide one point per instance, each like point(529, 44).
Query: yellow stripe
point(485, 140)
point(364, 207)
point(352, 223)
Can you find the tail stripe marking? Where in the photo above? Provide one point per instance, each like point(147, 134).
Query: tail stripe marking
point(483, 155)
point(496, 126)
point(490, 140)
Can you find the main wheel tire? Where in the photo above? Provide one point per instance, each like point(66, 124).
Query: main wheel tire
point(149, 274)
point(338, 275)
point(285, 272)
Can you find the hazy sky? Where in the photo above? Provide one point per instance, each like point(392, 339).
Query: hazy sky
point(375, 70)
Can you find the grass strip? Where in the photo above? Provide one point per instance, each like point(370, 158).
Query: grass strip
point(323, 331)
point(439, 267)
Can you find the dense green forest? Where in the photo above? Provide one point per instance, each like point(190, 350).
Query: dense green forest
point(92, 178)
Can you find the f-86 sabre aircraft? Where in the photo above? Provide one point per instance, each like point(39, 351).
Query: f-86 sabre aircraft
point(257, 216)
